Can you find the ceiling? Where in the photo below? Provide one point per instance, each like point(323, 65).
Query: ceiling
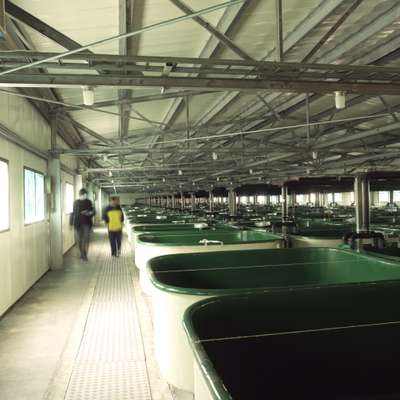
point(219, 98)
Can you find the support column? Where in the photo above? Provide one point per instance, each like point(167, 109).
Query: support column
point(56, 237)
point(391, 197)
point(78, 185)
point(317, 199)
point(90, 191)
point(173, 201)
point(192, 201)
point(361, 198)
point(182, 201)
point(232, 205)
point(285, 203)
point(255, 199)
point(210, 201)
point(268, 199)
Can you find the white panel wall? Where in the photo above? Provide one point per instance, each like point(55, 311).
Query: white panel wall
point(68, 231)
point(21, 117)
point(24, 248)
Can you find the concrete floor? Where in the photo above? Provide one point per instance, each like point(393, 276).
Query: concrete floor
point(83, 333)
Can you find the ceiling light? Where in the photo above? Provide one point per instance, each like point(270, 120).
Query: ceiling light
point(180, 172)
point(88, 95)
point(163, 179)
point(340, 100)
point(250, 171)
point(109, 173)
point(214, 156)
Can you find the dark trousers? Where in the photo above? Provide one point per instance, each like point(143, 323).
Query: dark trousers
point(115, 241)
point(82, 238)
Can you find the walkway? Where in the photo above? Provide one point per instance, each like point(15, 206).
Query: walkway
point(84, 333)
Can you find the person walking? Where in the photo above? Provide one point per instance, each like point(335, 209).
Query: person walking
point(114, 218)
point(82, 221)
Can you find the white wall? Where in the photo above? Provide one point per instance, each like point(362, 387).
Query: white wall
point(24, 248)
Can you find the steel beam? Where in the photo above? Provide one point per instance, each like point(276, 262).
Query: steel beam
point(123, 36)
point(38, 25)
point(214, 31)
point(332, 30)
point(245, 85)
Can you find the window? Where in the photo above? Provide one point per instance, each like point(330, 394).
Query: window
point(34, 196)
point(68, 198)
point(274, 199)
point(396, 195)
point(4, 198)
point(338, 198)
point(383, 197)
point(313, 198)
point(300, 199)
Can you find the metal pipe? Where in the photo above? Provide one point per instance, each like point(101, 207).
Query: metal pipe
point(225, 135)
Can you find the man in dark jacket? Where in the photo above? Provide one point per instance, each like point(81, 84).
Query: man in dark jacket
point(114, 218)
point(81, 219)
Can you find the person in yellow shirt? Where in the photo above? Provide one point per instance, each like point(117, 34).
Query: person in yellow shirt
point(114, 218)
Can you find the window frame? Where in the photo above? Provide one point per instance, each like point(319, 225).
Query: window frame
point(7, 162)
point(44, 195)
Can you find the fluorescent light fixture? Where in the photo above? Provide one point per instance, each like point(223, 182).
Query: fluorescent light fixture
point(88, 95)
point(340, 100)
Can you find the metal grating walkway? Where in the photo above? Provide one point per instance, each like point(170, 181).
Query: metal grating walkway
point(111, 363)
